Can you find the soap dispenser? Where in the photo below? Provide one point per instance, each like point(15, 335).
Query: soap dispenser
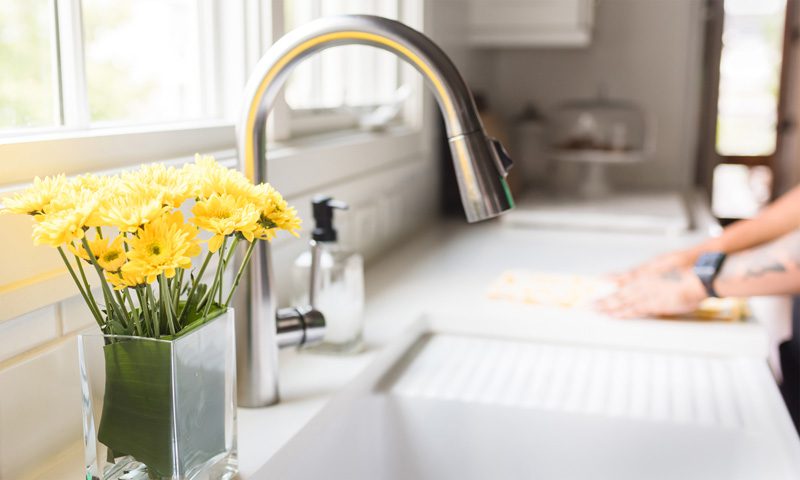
point(330, 278)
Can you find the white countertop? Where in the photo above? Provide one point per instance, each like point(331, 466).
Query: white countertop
point(448, 269)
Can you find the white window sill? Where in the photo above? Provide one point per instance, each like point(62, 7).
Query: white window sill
point(94, 150)
point(107, 150)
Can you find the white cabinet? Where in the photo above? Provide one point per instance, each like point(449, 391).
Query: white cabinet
point(531, 23)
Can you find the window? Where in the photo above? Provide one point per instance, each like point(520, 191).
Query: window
point(28, 78)
point(350, 76)
point(143, 61)
point(750, 70)
point(92, 63)
point(740, 191)
point(339, 87)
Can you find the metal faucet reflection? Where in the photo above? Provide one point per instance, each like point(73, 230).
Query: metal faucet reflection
point(481, 166)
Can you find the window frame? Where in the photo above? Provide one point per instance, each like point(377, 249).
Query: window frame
point(302, 122)
point(780, 112)
point(766, 158)
point(69, 62)
point(709, 155)
point(75, 145)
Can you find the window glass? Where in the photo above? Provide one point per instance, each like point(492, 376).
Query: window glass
point(740, 191)
point(750, 67)
point(347, 76)
point(143, 60)
point(28, 80)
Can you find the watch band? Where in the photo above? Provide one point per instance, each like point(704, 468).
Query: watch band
point(707, 268)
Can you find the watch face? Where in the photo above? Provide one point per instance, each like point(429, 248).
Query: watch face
point(708, 260)
point(708, 265)
point(705, 270)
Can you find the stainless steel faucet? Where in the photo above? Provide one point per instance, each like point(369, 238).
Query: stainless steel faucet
point(481, 166)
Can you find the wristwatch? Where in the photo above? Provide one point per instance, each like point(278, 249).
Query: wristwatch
point(707, 268)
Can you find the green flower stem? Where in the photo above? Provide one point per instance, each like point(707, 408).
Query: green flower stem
point(239, 273)
point(166, 302)
point(117, 310)
point(121, 303)
point(231, 251)
point(99, 232)
point(86, 285)
point(145, 307)
point(162, 310)
point(225, 266)
point(109, 311)
point(88, 288)
point(210, 291)
point(95, 312)
point(151, 301)
point(177, 284)
point(217, 279)
point(195, 284)
point(174, 286)
point(134, 313)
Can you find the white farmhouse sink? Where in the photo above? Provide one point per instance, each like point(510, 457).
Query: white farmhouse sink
point(448, 402)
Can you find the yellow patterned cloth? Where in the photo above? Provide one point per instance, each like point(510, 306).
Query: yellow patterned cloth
point(579, 291)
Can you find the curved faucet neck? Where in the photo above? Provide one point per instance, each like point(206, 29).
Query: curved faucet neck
point(272, 71)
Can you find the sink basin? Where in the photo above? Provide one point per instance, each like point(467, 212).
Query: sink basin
point(447, 401)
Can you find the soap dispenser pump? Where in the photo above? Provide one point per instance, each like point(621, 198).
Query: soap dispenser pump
point(330, 278)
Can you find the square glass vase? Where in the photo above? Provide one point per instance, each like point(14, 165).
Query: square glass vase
point(160, 409)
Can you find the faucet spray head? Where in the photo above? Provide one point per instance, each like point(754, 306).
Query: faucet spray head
point(481, 166)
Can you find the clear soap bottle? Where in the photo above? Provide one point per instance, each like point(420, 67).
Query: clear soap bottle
point(330, 278)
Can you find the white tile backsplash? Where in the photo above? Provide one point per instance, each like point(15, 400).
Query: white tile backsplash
point(40, 408)
point(28, 331)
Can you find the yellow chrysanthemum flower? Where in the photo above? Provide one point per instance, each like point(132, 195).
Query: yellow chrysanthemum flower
point(128, 210)
point(97, 189)
point(162, 246)
point(211, 178)
point(110, 255)
point(223, 215)
point(274, 213)
point(130, 275)
point(173, 184)
point(94, 183)
point(36, 198)
point(65, 218)
point(59, 228)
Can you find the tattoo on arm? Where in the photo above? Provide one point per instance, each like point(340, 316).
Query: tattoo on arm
point(754, 272)
point(779, 256)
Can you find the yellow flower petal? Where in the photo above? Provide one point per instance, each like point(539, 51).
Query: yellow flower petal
point(215, 242)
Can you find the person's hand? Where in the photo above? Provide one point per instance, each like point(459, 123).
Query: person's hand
point(661, 264)
point(673, 292)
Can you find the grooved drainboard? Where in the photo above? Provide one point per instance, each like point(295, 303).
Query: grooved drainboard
point(614, 383)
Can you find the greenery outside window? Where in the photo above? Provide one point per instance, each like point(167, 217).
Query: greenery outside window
point(153, 78)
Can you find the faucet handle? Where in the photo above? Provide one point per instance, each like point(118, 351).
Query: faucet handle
point(504, 161)
point(299, 326)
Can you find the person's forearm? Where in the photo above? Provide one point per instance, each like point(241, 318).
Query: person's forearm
point(770, 269)
point(777, 219)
